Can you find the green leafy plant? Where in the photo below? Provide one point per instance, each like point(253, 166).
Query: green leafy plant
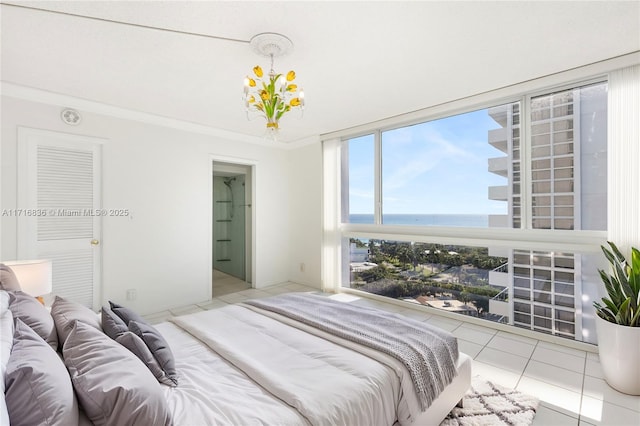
point(622, 306)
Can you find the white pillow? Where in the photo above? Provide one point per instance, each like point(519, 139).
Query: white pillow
point(4, 414)
point(4, 301)
point(6, 343)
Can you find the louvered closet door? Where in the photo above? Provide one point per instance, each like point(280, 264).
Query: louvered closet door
point(60, 193)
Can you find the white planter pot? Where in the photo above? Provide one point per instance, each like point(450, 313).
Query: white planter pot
point(619, 348)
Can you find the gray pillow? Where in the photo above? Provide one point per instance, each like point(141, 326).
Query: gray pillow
point(112, 385)
point(112, 325)
point(8, 280)
point(39, 391)
point(137, 346)
point(158, 347)
point(125, 313)
point(65, 312)
point(6, 343)
point(35, 315)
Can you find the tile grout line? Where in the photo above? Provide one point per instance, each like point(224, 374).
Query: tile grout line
point(540, 402)
point(584, 373)
point(527, 364)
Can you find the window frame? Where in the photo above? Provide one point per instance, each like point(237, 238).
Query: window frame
point(526, 237)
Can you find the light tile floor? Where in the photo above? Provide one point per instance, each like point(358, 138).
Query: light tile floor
point(568, 382)
point(225, 284)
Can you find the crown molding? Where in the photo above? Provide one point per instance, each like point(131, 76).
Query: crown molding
point(51, 98)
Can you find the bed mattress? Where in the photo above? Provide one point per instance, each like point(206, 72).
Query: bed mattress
point(238, 366)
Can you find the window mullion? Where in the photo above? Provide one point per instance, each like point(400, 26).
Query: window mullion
point(577, 162)
point(377, 218)
point(526, 201)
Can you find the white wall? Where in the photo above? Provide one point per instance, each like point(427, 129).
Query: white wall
point(163, 176)
point(305, 192)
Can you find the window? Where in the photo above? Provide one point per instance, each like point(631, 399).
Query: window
point(359, 178)
point(527, 167)
point(434, 173)
point(568, 159)
point(449, 277)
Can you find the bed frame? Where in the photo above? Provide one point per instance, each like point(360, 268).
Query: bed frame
point(450, 397)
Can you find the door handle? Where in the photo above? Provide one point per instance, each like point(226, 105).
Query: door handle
point(95, 242)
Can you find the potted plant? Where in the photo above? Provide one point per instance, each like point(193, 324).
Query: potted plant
point(618, 321)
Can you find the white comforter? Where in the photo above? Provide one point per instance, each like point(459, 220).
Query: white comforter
point(303, 379)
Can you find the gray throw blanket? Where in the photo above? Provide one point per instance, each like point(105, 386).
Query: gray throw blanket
point(429, 353)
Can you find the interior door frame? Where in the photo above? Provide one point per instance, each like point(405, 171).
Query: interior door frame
point(26, 199)
point(253, 167)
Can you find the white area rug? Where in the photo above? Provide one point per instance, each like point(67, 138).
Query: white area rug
point(488, 404)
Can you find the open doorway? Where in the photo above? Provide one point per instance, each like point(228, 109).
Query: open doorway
point(232, 218)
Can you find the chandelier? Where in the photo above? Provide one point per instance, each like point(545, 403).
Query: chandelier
point(273, 95)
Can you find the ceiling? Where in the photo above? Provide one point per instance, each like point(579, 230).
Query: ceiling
point(358, 62)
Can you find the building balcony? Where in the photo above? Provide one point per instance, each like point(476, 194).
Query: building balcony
point(498, 193)
point(498, 278)
point(498, 221)
point(499, 166)
point(498, 139)
point(498, 307)
point(500, 114)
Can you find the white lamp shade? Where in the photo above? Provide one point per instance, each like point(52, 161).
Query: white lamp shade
point(34, 276)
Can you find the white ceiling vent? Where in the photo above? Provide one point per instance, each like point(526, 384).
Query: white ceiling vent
point(71, 116)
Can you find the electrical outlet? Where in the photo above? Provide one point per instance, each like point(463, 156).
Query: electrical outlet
point(132, 294)
point(302, 266)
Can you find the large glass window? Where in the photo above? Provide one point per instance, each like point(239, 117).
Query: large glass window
point(449, 172)
point(465, 170)
point(359, 180)
point(448, 277)
point(440, 172)
point(512, 286)
point(568, 159)
point(530, 166)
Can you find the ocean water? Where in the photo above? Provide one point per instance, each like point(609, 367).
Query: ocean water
point(470, 220)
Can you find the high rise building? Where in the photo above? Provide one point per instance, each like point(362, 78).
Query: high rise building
point(568, 133)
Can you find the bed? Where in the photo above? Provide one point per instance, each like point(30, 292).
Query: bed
point(241, 364)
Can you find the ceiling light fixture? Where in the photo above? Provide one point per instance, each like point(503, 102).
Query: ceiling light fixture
point(274, 95)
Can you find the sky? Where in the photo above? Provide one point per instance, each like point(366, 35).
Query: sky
point(437, 167)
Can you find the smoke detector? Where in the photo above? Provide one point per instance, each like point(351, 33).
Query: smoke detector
point(70, 116)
